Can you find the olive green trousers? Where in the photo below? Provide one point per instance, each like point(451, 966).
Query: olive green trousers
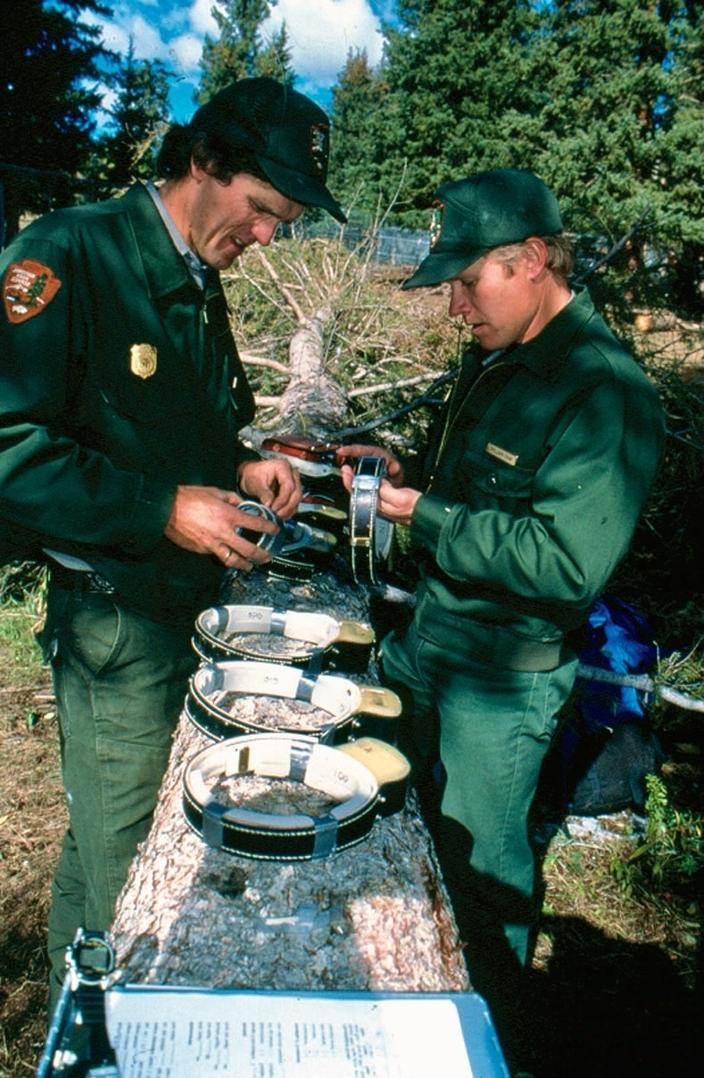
point(476, 735)
point(120, 680)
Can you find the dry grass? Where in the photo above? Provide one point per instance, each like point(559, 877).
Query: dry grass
point(32, 821)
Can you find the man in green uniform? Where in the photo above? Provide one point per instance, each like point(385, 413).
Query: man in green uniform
point(120, 464)
point(526, 504)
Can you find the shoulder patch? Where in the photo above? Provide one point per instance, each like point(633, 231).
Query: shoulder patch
point(27, 289)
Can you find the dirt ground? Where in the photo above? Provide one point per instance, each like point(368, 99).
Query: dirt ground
point(615, 985)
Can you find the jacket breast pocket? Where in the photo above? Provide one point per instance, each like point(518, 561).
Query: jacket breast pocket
point(147, 402)
point(490, 483)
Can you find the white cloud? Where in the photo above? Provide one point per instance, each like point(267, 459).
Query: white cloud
point(321, 33)
point(185, 52)
point(201, 19)
point(126, 26)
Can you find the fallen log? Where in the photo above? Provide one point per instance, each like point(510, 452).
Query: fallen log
point(373, 917)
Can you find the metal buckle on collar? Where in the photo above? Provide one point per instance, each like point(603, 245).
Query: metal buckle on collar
point(370, 535)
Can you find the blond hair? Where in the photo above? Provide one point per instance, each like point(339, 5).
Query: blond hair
point(560, 248)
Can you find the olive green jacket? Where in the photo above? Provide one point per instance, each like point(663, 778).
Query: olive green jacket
point(116, 384)
point(533, 493)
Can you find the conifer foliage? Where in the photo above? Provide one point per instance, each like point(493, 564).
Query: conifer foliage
point(50, 57)
point(242, 50)
point(602, 98)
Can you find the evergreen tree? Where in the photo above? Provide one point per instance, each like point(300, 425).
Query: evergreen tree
point(682, 167)
point(357, 146)
point(459, 93)
point(240, 51)
point(126, 151)
point(621, 144)
point(50, 59)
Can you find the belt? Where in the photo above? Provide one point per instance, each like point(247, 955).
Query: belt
point(353, 709)
point(369, 783)
point(370, 535)
point(323, 642)
point(84, 580)
point(494, 644)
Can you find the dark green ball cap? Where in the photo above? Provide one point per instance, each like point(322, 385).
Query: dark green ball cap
point(286, 133)
point(487, 210)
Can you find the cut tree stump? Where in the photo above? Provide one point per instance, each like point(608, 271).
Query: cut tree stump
point(375, 917)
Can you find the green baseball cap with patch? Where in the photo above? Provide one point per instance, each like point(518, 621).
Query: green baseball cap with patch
point(287, 134)
point(487, 210)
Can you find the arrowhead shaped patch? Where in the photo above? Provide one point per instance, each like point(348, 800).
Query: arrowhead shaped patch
point(27, 289)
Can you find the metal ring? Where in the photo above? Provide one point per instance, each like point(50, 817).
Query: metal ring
point(265, 540)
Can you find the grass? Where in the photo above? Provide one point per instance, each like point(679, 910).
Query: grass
point(32, 820)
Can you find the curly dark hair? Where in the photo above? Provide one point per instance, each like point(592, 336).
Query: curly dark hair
point(183, 143)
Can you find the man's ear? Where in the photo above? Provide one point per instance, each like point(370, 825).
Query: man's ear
point(195, 171)
point(535, 252)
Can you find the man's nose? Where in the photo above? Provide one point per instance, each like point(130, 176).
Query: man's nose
point(264, 230)
point(458, 300)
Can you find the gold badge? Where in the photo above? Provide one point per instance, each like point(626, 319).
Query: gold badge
point(143, 360)
point(501, 454)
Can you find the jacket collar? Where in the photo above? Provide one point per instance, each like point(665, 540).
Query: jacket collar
point(548, 353)
point(164, 267)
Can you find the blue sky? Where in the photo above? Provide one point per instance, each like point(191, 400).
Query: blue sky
point(321, 33)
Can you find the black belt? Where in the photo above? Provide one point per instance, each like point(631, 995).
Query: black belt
point(362, 789)
point(370, 535)
point(354, 710)
point(323, 641)
point(84, 580)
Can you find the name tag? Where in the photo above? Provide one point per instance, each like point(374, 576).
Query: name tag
point(501, 454)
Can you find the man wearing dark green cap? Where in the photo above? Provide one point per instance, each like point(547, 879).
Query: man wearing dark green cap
point(120, 464)
point(522, 510)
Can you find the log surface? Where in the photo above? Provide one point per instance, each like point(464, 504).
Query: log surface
point(373, 917)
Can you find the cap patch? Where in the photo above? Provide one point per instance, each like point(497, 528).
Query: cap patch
point(436, 221)
point(318, 146)
point(28, 289)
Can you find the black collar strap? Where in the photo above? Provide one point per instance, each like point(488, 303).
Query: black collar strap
point(323, 641)
point(354, 710)
point(347, 779)
point(370, 535)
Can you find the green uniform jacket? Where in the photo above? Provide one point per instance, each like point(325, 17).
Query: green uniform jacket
point(96, 433)
point(544, 464)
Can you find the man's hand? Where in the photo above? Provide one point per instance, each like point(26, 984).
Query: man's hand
point(395, 503)
point(394, 467)
point(274, 483)
point(205, 519)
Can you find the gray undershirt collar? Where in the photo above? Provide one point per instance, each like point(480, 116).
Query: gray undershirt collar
point(195, 267)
